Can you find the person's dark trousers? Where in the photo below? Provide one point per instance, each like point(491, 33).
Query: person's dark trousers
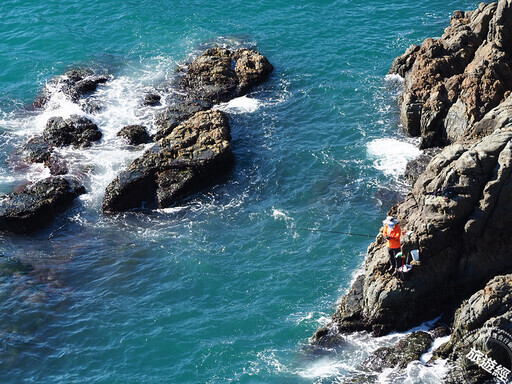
point(393, 264)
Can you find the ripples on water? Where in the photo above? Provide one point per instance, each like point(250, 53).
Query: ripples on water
point(223, 287)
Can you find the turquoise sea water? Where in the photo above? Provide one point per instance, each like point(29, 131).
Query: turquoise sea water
point(227, 287)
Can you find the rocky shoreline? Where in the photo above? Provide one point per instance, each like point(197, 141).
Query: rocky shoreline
point(190, 150)
point(457, 98)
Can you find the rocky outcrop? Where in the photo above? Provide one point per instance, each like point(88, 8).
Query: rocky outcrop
point(75, 84)
point(479, 323)
point(191, 156)
point(220, 74)
point(459, 210)
point(452, 82)
point(37, 205)
point(134, 134)
point(409, 349)
point(151, 99)
point(193, 147)
point(180, 110)
point(78, 131)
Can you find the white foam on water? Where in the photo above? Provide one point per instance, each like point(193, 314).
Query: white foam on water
point(325, 368)
point(96, 166)
point(435, 344)
point(416, 373)
point(241, 104)
point(391, 155)
point(394, 78)
point(278, 214)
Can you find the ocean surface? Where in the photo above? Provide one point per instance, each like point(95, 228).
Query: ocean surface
point(228, 286)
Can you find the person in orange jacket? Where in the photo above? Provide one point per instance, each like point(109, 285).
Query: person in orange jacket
point(392, 233)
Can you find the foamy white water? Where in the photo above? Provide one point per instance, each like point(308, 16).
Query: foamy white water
point(243, 104)
point(391, 155)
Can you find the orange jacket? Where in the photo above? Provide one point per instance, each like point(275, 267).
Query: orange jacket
point(394, 234)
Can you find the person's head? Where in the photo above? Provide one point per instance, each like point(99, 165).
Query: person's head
point(390, 222)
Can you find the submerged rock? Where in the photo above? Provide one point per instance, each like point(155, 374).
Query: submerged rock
point(195, 153)
point(37, 150)
point(77, 130)
point(37, 204)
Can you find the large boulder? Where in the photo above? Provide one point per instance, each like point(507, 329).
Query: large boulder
point(77, 131)
point(134, 134)
point(173, 115)
point(37, 150)
point(36, 205)
point(452, 82)
point(220, 74)
point(405, 351)
point(193, 155)
point(483, 322)
point(460, 210)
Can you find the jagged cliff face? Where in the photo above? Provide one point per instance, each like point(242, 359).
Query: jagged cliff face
point(453, 82)
point(457, 90)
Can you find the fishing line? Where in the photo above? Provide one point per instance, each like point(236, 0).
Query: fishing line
point(327, 231)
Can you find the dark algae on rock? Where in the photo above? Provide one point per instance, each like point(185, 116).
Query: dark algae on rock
point(456, 95)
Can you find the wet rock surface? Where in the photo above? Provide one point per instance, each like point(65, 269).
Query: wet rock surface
point(78, 131)
point(75, 84)
point(38, 204)
point(407, 350)
point(151, 99)
point(196, 152)
point(134, 134)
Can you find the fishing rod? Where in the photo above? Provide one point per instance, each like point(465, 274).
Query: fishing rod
point(327, 231)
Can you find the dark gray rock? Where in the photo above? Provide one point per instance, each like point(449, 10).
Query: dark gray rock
point(486, 313)
point(135, 134)
point(75, 84)
point(151, 99)
point(194, 155)
point(400, 355)
point(416, 167)
point(78, 131)
point(219, 74)
point(175, 114)
point(327, 337)
point(37, 205)
point(37, 150)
